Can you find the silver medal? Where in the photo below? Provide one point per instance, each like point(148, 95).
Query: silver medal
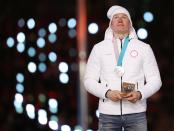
point(120, 71)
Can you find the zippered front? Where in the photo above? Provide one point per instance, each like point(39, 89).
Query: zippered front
point(121, 86)
point(121, 100)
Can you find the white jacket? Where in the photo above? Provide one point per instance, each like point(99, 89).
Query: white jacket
point(140, 67)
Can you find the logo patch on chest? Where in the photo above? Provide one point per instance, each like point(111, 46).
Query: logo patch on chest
point(134, 53)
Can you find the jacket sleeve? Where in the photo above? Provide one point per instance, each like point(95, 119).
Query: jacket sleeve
point(152, 74)
point(92, 75)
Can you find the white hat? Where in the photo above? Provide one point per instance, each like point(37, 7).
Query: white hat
point(113, 10)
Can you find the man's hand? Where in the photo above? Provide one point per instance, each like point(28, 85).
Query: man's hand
point(114, 95)
point(133, 96)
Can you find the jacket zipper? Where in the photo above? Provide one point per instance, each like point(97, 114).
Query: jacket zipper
point(121, 86)
point(121, 100)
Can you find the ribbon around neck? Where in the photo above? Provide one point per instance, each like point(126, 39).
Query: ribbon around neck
point(123, 50)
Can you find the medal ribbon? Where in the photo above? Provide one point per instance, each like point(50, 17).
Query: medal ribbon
point(123, 50)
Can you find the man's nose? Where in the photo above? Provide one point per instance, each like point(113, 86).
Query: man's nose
point(120, 19)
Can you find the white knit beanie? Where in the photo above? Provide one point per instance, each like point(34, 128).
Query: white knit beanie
point(113, 10)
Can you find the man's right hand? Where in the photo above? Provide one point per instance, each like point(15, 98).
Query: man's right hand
point(114, 95)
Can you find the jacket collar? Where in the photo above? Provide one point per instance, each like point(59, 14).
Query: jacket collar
point(109, 34)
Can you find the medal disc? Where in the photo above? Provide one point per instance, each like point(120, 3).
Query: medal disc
point(119, 71)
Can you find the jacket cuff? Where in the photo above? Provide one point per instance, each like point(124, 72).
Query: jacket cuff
point(140, 95)
point(107, 92)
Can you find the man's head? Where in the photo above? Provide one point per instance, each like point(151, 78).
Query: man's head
point(120, 20)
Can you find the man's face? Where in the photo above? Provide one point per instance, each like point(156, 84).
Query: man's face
point(120, 23)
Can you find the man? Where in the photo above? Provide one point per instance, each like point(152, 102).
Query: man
point(122, 71)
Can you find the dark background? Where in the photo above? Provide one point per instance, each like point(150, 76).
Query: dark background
point(161, 32)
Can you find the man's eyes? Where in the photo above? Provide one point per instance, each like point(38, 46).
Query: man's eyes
point(116, 17)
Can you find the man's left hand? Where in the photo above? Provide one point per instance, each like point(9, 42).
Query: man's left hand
point(133, 96)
